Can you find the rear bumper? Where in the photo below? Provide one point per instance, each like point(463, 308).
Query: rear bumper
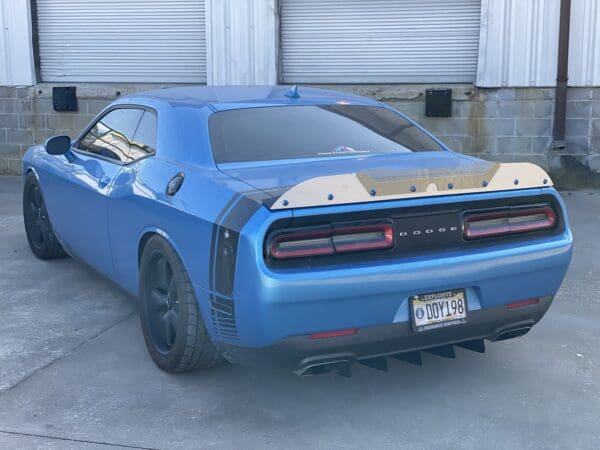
point(300, 353)
point(274, 307)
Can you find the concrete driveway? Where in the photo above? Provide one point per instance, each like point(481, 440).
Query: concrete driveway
point(74, 373)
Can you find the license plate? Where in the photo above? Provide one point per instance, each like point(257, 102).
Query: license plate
point(439, 309)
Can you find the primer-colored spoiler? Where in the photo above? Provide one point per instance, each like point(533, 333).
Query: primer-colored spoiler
point(365, 187)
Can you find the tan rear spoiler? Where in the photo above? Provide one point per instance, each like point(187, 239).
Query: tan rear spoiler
point(363, 187)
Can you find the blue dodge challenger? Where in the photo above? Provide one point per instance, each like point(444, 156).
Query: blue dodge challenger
point(301, 227)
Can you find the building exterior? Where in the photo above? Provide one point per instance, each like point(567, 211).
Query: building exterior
point(499, 58)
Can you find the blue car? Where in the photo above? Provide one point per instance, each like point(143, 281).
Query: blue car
point(300, 228)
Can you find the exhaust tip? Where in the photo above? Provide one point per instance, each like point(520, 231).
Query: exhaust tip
point(514, 333)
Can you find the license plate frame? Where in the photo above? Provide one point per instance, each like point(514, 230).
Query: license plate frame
point(418, 308)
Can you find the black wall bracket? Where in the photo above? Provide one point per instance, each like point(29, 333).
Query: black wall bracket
point(438, 102)
point(64, 98)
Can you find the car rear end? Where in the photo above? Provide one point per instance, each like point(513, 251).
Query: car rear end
point(354, 282)
point(372, 238)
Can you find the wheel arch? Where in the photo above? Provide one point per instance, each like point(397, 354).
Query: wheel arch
point(145, 237)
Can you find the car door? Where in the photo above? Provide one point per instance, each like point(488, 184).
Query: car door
point(95, 162)
point(129, 211)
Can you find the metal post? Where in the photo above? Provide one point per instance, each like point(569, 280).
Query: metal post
point(560, 108)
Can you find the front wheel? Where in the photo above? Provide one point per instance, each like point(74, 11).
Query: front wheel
point(40, 235)
point(173, 328)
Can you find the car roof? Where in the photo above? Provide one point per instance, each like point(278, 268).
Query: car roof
point(229, 97)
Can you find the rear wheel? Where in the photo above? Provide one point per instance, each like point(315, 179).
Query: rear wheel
point(173, 328)
point(38, 229)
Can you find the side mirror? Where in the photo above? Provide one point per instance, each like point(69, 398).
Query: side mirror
point(58, 145)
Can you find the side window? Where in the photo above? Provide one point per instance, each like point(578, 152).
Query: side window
point(144, 140)
point(113, 134)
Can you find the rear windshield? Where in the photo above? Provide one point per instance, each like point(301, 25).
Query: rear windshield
point(291, 132)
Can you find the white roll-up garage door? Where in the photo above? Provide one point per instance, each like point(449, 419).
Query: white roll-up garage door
point(122, 40)
point(379, 41)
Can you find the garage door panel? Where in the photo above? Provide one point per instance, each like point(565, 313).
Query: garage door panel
point(115, 41)
point(379, 41)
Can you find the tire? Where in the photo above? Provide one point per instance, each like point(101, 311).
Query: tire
point(40, 235)
point(173, 328)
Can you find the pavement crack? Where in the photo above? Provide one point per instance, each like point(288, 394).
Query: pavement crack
point(82, 441)
point(66, 354)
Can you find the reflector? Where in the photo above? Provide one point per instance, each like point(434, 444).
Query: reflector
point(331, 334)
point(521, 303)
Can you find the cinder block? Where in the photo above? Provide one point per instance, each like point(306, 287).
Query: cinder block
point(480, 144)
point(577, 127)
point(24, 106)
point(579, 109)
point(595, 145)
point(9, 120)
point(434, 125)
point(578, 145)
point(534, 127)
point(9, 105)
point(541, 144)
point(16, 136)
point(14, 167)
point(484, 109)
point(415, 110)
point(7, 92)
point(8, 151)
point(95, 106)
point(17, 105)
point(67, 121)
point(506, 94)
point(41, 136)
point(595, 129)
point(515, 109)
point(596, 109)
point(43, 106)
point(2, 136)
point(513, 145)
point(579, 93)
point(534, 94)
point(460, 127)
point(543, 110)
point(594, 163)
point(455, 143)
point(32, 121)
point(24, 92)
point(496, 127)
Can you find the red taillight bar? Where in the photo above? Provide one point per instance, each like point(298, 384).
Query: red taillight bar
point(508, 222)
point(331, 240)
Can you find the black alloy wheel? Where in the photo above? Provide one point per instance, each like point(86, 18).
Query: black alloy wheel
point(40, 235)
point(174, 331)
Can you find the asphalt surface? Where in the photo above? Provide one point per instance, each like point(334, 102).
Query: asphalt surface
point(74, 373)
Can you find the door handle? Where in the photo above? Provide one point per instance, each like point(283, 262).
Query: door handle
point(103, 181)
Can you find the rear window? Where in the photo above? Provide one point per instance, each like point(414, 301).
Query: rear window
point(290, 132)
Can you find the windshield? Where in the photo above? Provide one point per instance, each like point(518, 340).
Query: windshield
point(291, 132)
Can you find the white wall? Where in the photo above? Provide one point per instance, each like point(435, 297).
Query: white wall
point(241, 42)
point(584, 43)
point(519, 43)
point(16, 52)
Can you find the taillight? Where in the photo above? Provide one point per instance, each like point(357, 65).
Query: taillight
point(508, 222)
point(330, 240)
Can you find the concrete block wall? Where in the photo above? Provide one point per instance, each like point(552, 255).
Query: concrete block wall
point(28, 118)
point(508, 124)
point(505, 124)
